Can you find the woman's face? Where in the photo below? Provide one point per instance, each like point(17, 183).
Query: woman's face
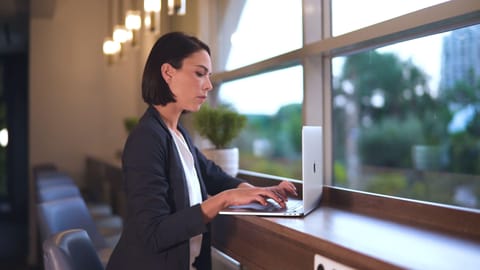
point(191, 83)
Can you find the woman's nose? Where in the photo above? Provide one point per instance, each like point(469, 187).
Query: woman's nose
point(208, 85)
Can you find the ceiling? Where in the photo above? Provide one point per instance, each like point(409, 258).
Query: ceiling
point(14, 22)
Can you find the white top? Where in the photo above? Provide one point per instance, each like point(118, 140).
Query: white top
point(194, 191)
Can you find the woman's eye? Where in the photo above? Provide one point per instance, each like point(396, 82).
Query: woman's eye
point(200, 74)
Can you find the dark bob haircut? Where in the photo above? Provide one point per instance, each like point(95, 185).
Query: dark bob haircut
point(170, 48)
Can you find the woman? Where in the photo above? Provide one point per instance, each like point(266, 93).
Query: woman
point(166, 177)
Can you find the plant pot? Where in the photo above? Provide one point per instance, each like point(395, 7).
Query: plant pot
point(227, 159)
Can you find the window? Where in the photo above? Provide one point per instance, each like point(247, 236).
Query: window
point(395, 88)
point(407, 123)
point(272, 102)
point(348, 16)
point(253, 38)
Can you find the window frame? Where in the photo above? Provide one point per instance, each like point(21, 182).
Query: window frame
point(320, 47)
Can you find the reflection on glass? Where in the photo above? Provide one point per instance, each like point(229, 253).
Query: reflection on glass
point(406, 122)
point(253, 36)
point(348, 15)
point(272, 102)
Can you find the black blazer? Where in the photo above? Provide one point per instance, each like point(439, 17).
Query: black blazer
point(160, 220)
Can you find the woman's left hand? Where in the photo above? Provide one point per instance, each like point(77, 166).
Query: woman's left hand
point(284, 189)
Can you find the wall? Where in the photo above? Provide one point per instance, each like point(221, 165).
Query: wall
point(77, 102)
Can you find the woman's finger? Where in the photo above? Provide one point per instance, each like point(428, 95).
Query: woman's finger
point(289, 187)
point(278, 198)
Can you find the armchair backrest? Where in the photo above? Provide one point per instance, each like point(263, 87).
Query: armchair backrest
point(70, 250)
point(64, 214)
point(57, 192)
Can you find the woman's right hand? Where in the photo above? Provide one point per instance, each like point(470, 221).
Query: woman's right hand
point(238, 196)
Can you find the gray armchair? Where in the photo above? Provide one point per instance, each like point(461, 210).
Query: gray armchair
point(72, 213)
point(56, 192)
point(70, 250)
point(52, 178)
point(52, 185)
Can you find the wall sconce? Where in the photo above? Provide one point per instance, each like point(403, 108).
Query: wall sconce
point(133, 22)
point(177, 7)
point(110, 49)
point(152, 8)
point(121, 35)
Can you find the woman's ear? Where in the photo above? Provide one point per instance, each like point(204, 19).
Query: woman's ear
point(167, 71)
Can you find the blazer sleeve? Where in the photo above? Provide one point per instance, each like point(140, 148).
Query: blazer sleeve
point(160, 220)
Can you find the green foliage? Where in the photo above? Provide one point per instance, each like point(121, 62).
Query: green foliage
point(271, 166)
point(396, 79)
point(465, 153)
point(371, 71)
point(398, 184)
point(410, 115)
point(465, 145)
point(340, 174)
point(435, 124)
point(473, 127)
point(389, 142)
point(284, 131)
point(130, 123)
point(418, 190)
point(289, 119)
point(393, 184)
point(462, 94)
point(282, 134)
point(220, 125)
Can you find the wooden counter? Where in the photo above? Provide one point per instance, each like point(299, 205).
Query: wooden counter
point(359, 230)
point(355, 240)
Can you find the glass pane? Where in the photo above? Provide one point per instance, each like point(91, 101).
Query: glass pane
point(272, 102)
point(264, 29)
point(348, 15)
point(407, 119)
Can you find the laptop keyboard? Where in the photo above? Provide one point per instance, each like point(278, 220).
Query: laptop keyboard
point(292, 206)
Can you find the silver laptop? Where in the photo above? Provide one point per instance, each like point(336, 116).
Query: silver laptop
point(312, 173)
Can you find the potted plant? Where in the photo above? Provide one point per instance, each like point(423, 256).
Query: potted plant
point(220, 126)
point(129, 123)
